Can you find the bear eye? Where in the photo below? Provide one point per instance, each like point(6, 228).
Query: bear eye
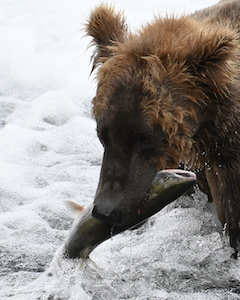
point(143, 143)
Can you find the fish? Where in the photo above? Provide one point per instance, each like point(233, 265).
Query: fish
point(87, 232)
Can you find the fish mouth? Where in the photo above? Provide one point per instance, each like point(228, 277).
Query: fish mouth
point(174, 174)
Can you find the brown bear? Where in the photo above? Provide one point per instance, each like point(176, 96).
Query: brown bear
point(168, 94)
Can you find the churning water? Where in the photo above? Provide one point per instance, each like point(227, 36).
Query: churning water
point(49, 153)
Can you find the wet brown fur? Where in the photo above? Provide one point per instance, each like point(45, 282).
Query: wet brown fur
point(183, 75)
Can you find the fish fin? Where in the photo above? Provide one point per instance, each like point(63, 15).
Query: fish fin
point(73, 209)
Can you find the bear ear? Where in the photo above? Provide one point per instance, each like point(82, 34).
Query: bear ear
point(214, 59)
point(106, 27)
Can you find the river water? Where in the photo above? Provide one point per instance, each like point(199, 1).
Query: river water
point(49, 153)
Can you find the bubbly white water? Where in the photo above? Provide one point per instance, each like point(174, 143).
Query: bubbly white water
point(49, 153)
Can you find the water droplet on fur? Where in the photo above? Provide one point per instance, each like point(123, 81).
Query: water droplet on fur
point(111, 232)
point(224, 227)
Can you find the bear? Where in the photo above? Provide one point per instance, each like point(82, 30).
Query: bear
point(167, 95)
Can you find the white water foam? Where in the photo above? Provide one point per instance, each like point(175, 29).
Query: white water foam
point(49, 152)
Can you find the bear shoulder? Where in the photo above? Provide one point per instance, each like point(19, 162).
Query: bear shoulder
point(226, 12)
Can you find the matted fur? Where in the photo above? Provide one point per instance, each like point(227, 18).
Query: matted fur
point(183, 77)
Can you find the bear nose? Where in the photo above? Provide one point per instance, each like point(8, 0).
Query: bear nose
point(108, 215)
